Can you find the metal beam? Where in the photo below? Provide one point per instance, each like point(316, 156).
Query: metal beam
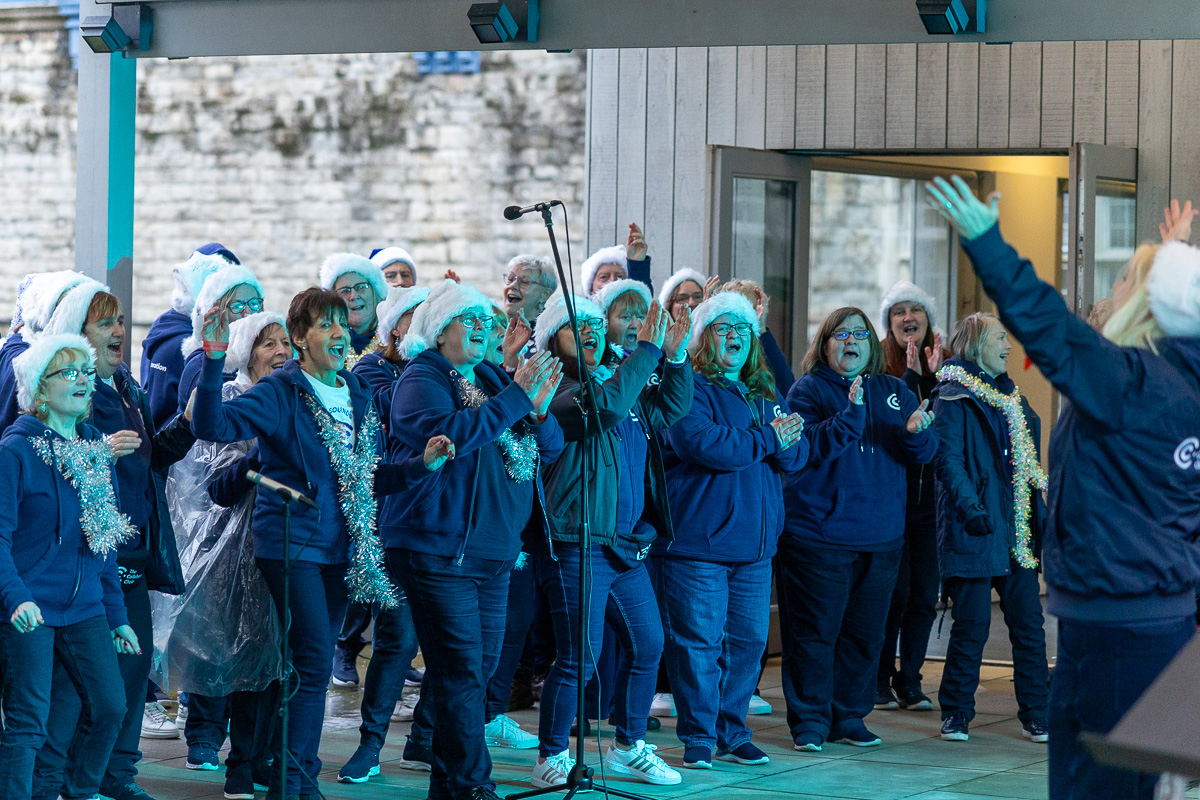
point(271, 27)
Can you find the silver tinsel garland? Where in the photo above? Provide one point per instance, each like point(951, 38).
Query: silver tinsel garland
point(520, 453)
point(86, 466)
point(355, 470)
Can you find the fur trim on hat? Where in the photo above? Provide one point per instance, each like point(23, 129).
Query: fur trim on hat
point(906, 292)
point(400, 299)
point(43, 295)
point(189, 279)
point(18, 315)
point(614, 289)
point(731, 303)
point(390, 255)
point(445, 302)
point(30, 365)
point(71, 313)
point(554, 317)
point(243, 332)
point(678, 277)
point(1174, 289)
point(215, 286)
point(605, 255)
point(339, 264)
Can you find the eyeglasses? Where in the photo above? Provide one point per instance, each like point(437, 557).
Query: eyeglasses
point(687, 298)
point(471, 320)
point(71, 374)
point(254, 304)
point(598, 324)
point(522, 282)
point(842, 336)
point(358, 288)
point(722, 329)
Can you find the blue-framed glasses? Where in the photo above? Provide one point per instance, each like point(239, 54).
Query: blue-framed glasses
point(842, 336)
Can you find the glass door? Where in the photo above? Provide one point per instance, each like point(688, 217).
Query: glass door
point(1101, 215)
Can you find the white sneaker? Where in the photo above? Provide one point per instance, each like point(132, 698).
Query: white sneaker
point(181, 716)
point(663, 705)
point(407, 705)
point(758, 706)
point(504, 731)
point(641, 762)
point(156, 724)
point(552, 771)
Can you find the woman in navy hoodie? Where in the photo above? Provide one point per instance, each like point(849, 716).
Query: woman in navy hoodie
point(989, 523)
point(1120, 554)
point(840, 551)
point(452, 540)
point(58, 568)
point(714, 581)
point(318, 432)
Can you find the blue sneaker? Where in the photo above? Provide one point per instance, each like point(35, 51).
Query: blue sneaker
point(416, 757)
point(362, 765)
point(202, 757)
point(860, 737)
point(808, 742)
point(697, 756)
point(745, 753)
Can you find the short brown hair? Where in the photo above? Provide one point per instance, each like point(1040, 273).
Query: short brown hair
point(311, 305)
point(969, 332)
point(103, 306)
point(816, 348)
point(629, 300)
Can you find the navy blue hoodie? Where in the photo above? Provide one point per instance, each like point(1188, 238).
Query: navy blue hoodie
point(44, 555)
point(381, 375)
point(290, 448)
point(162, 364)
point(851, 494)
point(723, 474)
point(1124, 500)
point(14, 345)
point(470, 505)
point(361, 341)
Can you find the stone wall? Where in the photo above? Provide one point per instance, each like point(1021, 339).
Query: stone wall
point(288, 159)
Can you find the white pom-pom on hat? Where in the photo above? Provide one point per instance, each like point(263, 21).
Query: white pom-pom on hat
point(189, 279)
point(446, 301)
point(71, 314)
point(30, 366)
point(42, 296)
point(1174, 289)
point(731, 303)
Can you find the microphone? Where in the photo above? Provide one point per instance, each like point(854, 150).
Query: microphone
point(286, 492)
point(515, 212)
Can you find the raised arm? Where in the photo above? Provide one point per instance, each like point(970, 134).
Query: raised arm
point(251, 414)
point(614, 397)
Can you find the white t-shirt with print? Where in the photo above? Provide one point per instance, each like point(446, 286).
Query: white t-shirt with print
point(336, 400)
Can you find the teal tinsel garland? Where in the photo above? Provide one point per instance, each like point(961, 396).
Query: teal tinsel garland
point(520, 453)
point(355, 470)
point(86, 466)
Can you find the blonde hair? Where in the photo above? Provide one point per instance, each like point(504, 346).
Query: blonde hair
point(1133, 324)
point(63, 356)
point(968, 335)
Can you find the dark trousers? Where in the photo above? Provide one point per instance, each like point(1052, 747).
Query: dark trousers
point(1101, 671)
point(318, 606)
point(393, 647)
point(62, 733)
point(622, 595)
point(85, 650)
point(358, 619)
point(913, 610)
point(251, 718)
point(458, 607)
point(207, 719)
point(833, 606)
point(1022, 607)
point(522, 588)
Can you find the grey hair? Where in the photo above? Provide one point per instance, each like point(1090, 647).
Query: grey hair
point(969, 333)
point(543, 265)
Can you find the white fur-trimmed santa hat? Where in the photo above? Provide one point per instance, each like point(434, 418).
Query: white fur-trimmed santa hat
point(243, 332)
point(71, 313)
point(30, 365)
point(605, 255)
point(42, 296)
point(18, 315)
point(614, 289)
point(215, 286)
point(731, 303)
point(1174, 289)
point(445, 302)
point(677, 277)
point(189, 279)
point(554, 317)
point(906, 292)
point(390, 255)
point(400, 299)
point(339, 264)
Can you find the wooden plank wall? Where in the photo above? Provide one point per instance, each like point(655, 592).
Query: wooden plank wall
point(653, 113)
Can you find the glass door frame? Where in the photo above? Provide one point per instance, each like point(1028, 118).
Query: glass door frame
point(1090, 164)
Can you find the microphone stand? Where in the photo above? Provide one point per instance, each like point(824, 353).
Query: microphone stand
point(580, 777)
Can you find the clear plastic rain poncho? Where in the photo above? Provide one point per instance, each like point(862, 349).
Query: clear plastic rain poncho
point(222, 635)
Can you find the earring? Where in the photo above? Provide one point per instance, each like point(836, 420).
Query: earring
point(43, 408)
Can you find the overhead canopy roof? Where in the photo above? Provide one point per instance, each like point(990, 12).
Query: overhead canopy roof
point(271, 27)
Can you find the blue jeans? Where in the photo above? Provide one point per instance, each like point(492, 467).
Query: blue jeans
point(1101, 671)
point(393, 646)
point(624, 597)
point(458, 608)
point(833, 605)
point(913, 610)
point(318, 606)
point(1022, 607)
point(522, 603)
point(716, 618)
point(27, 660)
point(358, 619)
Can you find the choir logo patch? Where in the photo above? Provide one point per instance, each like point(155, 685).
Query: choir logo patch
point(1187, 455)
point(893, 402)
